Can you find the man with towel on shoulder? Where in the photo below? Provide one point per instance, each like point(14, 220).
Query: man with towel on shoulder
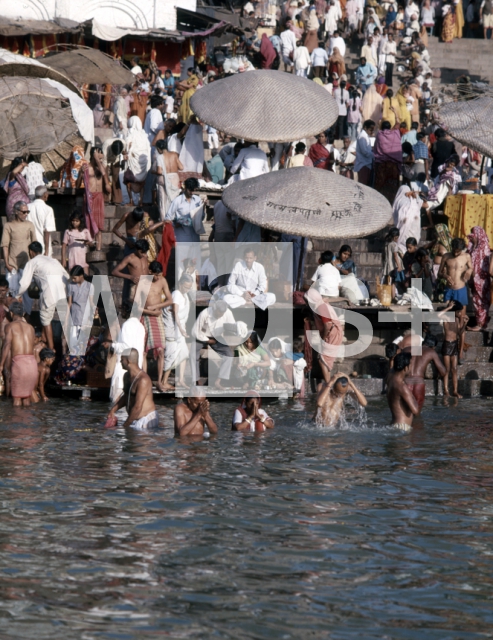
point(19, 343)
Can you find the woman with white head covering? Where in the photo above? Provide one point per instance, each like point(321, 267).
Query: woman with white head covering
point(138, 156)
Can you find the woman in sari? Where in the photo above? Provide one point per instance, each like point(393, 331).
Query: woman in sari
point(391, 111)
point(138, 155)
point(371, 106)
point(175, 324)
point(15, 187)
point(336, 63)
point(407, 214)
point(388, 160)
point(189, 87)
point(267, 52)
point(448, 25)
point(254, 361)
point(321, 157)
point(404, 113)
point(381, 87)
point(479, 248)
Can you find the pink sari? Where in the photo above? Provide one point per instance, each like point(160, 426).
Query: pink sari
point(481, 279)
point(19, 192)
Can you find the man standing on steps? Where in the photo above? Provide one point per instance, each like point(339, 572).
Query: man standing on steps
point(366, 74)
point(43, 218)
point(19, 344)
point(16, 237)
point(486, 16)
point(51, 279)
point(96, 184)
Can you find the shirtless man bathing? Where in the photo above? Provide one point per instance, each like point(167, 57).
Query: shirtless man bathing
point(192, 417)
point(456, 268)
point(19, 344)
point(403, 405)
point(137, 396)
point(159, 298)
point(415, 379)
point(330, 401)
point(452, 334)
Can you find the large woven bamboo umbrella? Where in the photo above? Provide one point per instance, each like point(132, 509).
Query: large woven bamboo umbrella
point(12, 64)
point(469, 121)
point(90, 66)
point(266, 105)
point(35, 116)
point(309, 202)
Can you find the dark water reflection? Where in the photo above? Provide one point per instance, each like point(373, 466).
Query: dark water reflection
point(298, 533)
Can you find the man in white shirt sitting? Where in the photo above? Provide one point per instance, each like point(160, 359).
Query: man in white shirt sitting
point(251, 161)
point(208, 327)
point(249, 282)
point(136, 68)
point(327, 277)
point(43, 218)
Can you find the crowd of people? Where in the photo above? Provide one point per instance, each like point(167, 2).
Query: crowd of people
point(383, 138)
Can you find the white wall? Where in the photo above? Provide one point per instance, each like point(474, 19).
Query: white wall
point(139, 14)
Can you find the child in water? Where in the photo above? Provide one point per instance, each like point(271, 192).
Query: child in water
point(47, 358)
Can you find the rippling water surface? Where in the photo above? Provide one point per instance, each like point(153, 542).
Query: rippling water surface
point(301, 532)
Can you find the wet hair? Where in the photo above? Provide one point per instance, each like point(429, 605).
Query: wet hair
point(458, 306)
point(345, 248)
point(275, 344)
point(161, 145)
point(430, 341)
point(77, 215)
point(391, 350)
point(343, 381)
point(93, 151)
point(76, 270)
point(393, 232)
point(458, 244)
point(155, 267)
point(138, 214)
point(386, 126)
point(412, 241)
point(422, 253)
point(3, 282)
point(192, 184)
point(402, 360)
point(326, 257)
point(368, 123)
point(17, 309)
point(35, 247)
point(117, 147)
point(46, 354)
point(142, 245)
point(300, 147)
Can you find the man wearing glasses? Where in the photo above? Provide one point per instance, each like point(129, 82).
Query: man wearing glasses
point(16, 238)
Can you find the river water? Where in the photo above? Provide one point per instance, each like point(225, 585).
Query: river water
point(302, 532)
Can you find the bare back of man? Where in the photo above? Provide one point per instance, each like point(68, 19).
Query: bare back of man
point(172, 162)
point(402, 403)
point(415, 379)
point(19, 347)
point(137, 266)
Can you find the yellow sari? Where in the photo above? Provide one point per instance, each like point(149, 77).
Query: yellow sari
point(459, 20)
point(185, 112)
point(404, 113)
point(388, 114)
